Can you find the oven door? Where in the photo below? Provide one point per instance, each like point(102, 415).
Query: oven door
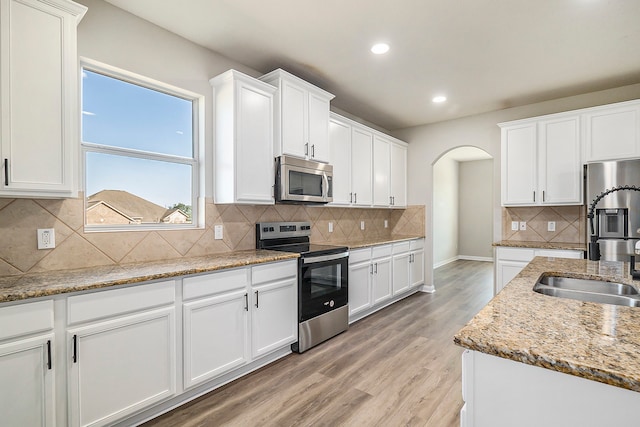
point(323, 284)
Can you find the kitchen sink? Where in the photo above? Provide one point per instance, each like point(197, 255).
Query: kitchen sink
point(589, 290)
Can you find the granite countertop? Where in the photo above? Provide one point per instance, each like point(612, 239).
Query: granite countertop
point(599, 342)
point(542, 245)
point(375, 241)
point(19, 287)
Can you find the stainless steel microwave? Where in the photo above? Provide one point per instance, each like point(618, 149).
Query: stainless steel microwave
point(303, 181)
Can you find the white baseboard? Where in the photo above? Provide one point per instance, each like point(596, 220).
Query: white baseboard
point(445, 262)
point(476, 258)
point(427, 288)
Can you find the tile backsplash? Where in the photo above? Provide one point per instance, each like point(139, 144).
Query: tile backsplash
point(19, 219)
point(570, 224)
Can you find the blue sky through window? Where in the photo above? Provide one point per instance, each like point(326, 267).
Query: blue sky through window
point(121, 114)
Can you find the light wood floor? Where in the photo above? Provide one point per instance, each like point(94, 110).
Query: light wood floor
point(397, 367)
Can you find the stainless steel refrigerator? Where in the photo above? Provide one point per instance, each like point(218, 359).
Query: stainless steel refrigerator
point(613, 209)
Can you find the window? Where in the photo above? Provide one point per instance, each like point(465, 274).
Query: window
point(140, 143)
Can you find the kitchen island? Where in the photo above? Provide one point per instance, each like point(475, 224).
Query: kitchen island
point(597, 345)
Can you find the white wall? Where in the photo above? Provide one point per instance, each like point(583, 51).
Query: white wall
point(445, 212)
point(120, 39)
point(428, 143)
point(476, 209)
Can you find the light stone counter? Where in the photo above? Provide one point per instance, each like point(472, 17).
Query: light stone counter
point(375, 241)
point(19, 287)
point(600, 342)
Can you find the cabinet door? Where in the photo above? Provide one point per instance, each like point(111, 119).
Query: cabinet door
point(560, 166)
point(401, 273)
point(27, 378)
point(416, 268)
point(293, 117)
point(274, 316)
point(318, 128)
point(381, 171)
point(359, 287)
point(613, 133)
point(216, 332)
point(38, 89)
point(340, 158)
point(254, 151)
point(121, 366)
point(361, 173)
point(506, 271)
point(398, 176)
point(381, 287)
point(519, 165)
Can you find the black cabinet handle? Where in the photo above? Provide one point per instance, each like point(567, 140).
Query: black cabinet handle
point(49, 354)
point(246, 302)
point(75, 349)
point(256, 299)
point(543, 195)
point(313, 150)
point(6, 171)
point(306, 149)
point(375, 268)
point(350, 197)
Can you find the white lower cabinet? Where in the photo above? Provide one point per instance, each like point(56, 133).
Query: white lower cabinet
point(510, 261)
point(27, 372)
point(126, 362)
point(274, 311)
point(382, 274)
point(499, 393)
point(215, 325)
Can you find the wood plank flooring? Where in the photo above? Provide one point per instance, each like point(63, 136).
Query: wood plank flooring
point(397, 367)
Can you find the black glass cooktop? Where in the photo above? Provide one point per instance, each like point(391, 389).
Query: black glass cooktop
point(310, 248)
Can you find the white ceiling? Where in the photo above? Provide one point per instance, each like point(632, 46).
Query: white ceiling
point(483, 54)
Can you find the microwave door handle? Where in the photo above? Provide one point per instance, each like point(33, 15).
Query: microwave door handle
point(325, 186)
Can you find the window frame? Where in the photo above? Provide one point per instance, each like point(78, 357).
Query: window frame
point(196, 161)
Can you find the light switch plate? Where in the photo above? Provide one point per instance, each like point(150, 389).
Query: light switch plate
point(514, 226)
point(217, 232)
point(330, 227)
point(361, 225)
point(523, 225)
point(46, 238)
point(551, 226)
point(386, 223)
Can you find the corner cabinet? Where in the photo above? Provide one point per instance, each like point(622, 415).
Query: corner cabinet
point(244, 165)
point(301, 117)
point(612, 132)
point(541, 161)
point(39, 85)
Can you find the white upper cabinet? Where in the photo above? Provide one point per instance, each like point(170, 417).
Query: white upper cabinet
point(301, 117)
point(541, 163)
point(381, 171)
point(398, 175)
point(612, 132)
point(244, 159)
point(361, 166)
point(39, 123)
point(340, 158)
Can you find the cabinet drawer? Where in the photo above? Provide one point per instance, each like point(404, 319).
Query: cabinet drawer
point(274, 271)
point(112, 303)
point(359, 255)
point(401, 247)
point(23, 319)
point(417, 244)
point(515, 254)
point(381, 251)
point(214, 283)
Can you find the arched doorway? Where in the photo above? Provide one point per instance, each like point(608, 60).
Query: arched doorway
point(462, 206)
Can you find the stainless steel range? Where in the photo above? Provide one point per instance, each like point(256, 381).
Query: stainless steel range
point(323, 282)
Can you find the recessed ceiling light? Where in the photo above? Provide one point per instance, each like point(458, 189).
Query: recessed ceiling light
point(438, 99)
point(380, 48)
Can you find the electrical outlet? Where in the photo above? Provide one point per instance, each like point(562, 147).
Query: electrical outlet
point(330, 227)
point(514, 226)
point(551, 226)
point(46, 238)
point(361, 225)
point(523, 225)
point(217, 232)
point(386, 223)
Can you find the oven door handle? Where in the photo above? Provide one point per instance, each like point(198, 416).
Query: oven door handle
point(322, 258)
